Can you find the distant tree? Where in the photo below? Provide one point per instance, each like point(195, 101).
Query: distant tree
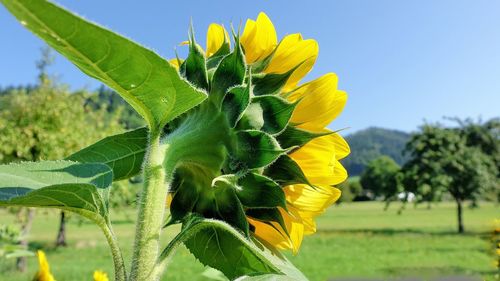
point(48, 122)
point(447, 160)
point(351, 189)
point(381, 177)
point(109, 100)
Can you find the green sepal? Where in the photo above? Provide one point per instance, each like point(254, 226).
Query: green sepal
point(123, 153)
point(270, 83)
point(285, 171)
point(196, 191)
point(296, 137)
point(254, 149)
point(234, 104)
point(229, 73)
point(268, 215)
point(216, 58)
point(257, 191)
point(270, 114)
point(260, 65)
point(194, 67)
point(228, 207)
point(186, 188)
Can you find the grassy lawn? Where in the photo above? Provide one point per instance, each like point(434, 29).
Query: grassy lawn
point(356, 240)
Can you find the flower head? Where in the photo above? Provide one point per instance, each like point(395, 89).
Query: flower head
point(43, 273)
point(266, 162)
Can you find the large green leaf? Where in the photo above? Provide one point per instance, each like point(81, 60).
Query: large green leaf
point(123, 153)
point(218, 245)
point(66, 185)
point(145, 80)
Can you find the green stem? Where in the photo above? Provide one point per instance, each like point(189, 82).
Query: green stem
point(167, 253)
point(151, 213)
point(120, 272)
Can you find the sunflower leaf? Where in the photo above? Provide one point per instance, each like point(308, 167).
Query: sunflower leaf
point(66, 185)
point(220, 246)
point(146, 81)
point(123, 153)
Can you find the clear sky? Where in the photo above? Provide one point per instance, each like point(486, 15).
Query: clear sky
point(400, 61)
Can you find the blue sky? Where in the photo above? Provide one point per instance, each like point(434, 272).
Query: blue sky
point(401, 62)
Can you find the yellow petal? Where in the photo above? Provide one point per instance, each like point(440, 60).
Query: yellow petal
point(169, 200)
point(295, 227)
point(318, 162)
point(308, 199)
point(216, 37)
point(271, 235)
point(320, 103)
point(293, 52)
point(43, 273)
point(342, 148)
point(259, 38)
point(274, 235)
point(100, 276)
point(175, 63)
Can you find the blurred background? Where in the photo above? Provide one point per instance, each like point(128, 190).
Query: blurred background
point(422, 120)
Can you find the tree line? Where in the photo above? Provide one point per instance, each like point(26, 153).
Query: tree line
point(46, 121)
point(460, 162)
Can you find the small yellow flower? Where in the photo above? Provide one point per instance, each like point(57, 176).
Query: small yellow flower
point(100, 276)
point(43, 273)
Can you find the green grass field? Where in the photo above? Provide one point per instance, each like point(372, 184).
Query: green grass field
point(356, 240)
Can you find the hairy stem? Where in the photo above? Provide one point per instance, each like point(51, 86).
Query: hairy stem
point(151, 213)
point(120, 271)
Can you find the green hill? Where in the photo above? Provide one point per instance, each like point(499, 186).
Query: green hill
point(371, 143)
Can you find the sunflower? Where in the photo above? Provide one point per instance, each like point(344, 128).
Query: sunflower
point(314, 104)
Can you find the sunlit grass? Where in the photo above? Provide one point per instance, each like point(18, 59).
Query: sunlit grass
point(353, 240)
